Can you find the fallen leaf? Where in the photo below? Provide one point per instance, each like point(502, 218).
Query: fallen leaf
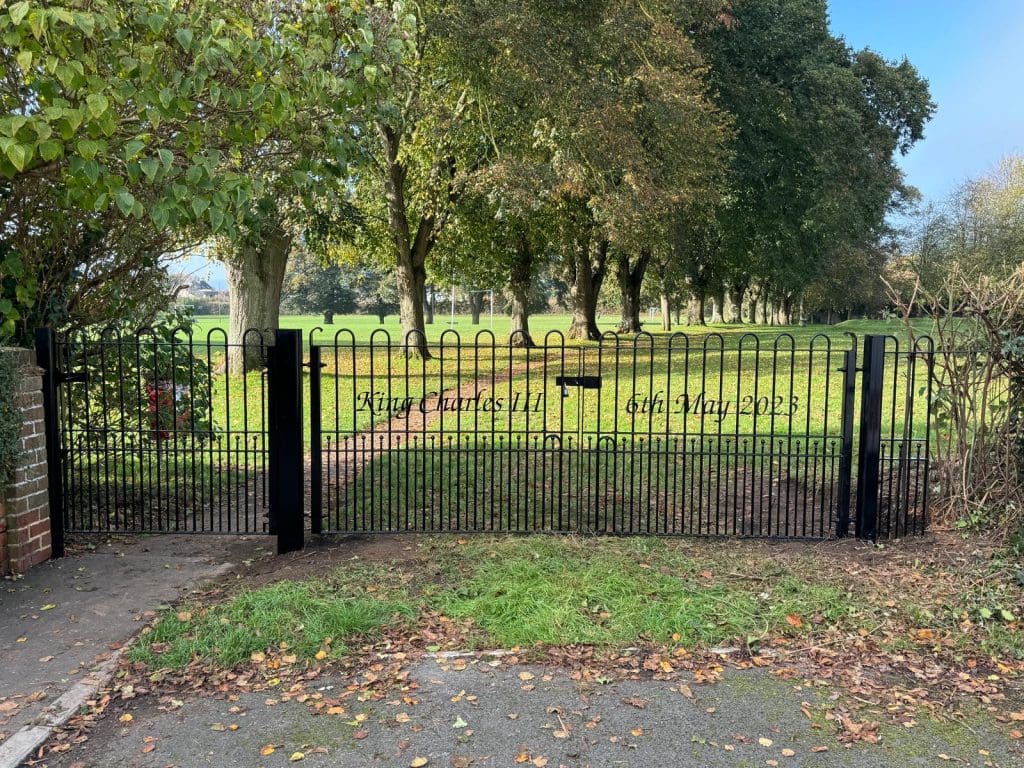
point(148, 748)
point(125, 718)
point(295, 757)
point(321, 655)
point(637, 731)
point(788, 752)
point(48, 607)
point(459, 722)
point(268, 750)
point(540, 762)
point(794, 620)
point(526, 675)
point(765, 742)
point(418, 762)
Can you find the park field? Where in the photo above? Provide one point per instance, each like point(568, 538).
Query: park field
point(363, 326)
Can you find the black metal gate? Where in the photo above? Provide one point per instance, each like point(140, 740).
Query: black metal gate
point(643, 435)
point(710, 435)
point(153, 433)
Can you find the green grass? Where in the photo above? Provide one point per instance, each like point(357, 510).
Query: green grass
point(514, 591)
point(523, 592)
point(301, 617)
point(674, 487)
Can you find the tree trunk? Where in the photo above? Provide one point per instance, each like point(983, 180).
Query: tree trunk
point(695, 307)
point(752, 309)
point(476, 306)
point(587, 272)
point(429, 306)
point(411, 289)
point(255, 278)
point(630, 278)
point(666, 314)
point(736, 292)
point(411, 249)
point(717, 302)
point(678, 313)
point(519, 293)
point(762, 308)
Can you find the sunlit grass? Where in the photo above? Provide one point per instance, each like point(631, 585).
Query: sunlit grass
point(301, 617)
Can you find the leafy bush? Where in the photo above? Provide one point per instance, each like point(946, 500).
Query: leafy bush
point(151, 382)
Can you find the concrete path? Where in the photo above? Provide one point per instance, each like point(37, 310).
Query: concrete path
point(486, 716)
point(65, 619)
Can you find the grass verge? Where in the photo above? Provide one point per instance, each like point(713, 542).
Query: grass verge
point(300, 617)
point(525, 591)
point(563, 591)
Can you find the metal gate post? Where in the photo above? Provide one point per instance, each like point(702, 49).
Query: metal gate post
point(287, 494)
point(849, 370)
point(46, 358)
point(866, 524)
point(316, 469)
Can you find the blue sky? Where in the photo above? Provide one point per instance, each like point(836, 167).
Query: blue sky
point(972, 53)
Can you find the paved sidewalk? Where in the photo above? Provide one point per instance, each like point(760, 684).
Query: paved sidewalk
point(484, 717)
point(66, 617)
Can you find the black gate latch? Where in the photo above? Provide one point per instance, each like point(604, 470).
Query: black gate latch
point(586, 382)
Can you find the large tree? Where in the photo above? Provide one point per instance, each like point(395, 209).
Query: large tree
point(121, 134)
point(349, 53)
point(817, 129)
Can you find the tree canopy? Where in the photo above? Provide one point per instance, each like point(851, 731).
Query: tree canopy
point(737, 149)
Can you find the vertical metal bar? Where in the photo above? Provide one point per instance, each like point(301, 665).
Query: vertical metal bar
point(316, 490)
point(870, 438)
point(46, 358)
point(849, 370)
point(285, 401)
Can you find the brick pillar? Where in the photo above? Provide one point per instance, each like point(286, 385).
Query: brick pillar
point(24, 504)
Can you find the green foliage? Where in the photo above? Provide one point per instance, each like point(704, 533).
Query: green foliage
point(155, 116)
point(10, 419)
point(17, 288)
point(311, 286)
point(155, 390)
point(818, 128)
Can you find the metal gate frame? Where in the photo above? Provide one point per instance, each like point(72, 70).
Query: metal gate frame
point(892, 470)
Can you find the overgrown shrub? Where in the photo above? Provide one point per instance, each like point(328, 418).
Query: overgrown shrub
point(978, 397)
point(10, 419)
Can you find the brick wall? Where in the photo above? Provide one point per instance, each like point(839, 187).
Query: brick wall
point(24, 503)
